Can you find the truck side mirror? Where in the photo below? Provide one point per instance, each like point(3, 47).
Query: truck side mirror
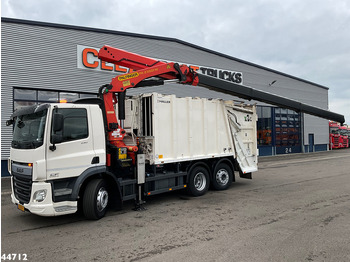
point(57, 126)
point(9, 122)
point(57, 122)
point(56, 139)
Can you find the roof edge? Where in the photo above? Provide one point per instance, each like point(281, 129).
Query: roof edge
point(162, 38)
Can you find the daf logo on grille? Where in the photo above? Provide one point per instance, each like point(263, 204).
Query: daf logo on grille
point(20, 170)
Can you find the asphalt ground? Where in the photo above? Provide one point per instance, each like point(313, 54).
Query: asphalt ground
point(296, 208)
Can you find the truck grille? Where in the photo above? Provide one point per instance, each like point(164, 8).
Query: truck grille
point(336, 141)
point(22, 187)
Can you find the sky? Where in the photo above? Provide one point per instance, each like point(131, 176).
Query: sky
point(307, 39)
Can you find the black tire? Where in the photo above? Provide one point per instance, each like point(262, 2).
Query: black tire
point(95, 200)
point(198, 181)
point(222, 177)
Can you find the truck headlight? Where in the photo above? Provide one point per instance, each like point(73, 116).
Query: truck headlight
point(40, 195)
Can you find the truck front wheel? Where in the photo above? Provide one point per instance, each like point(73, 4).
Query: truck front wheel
point(95, 200)
point(198, 181)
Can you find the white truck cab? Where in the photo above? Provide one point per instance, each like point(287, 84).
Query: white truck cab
point(45, 163)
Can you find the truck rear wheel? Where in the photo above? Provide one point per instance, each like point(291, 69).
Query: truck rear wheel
point(222, 177)
point(198, 182)
point(95, 200)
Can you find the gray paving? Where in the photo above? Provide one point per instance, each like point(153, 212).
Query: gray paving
point(296, 208)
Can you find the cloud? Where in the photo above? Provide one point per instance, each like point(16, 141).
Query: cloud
point(307, 39)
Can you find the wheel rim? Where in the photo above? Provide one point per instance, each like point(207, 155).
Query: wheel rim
point(222, 177)
point(200, 181)
point(102, 199)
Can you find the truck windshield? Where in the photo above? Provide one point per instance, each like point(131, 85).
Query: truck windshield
point(334, 130)
point(343, 132)
point(29, 130)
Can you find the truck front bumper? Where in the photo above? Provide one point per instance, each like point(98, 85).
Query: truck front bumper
point(46, 207)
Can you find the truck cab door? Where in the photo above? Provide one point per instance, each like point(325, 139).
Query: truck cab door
point(70, 150)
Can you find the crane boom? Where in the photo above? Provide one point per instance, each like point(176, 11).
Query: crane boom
point(250, 93)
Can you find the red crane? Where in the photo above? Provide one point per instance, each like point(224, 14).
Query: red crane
point(146, 68)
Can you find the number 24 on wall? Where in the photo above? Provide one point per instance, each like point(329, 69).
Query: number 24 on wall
point(288, 150)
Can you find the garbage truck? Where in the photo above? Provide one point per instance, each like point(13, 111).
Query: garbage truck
point(96, 153)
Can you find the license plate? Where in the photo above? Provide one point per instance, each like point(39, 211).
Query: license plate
point(20, 207)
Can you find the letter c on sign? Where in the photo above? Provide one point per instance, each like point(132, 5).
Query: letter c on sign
point(85, 60)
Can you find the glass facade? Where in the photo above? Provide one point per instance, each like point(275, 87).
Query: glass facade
point(23, 97)
point(287, 127)
point(279, 130)
point(264, 125)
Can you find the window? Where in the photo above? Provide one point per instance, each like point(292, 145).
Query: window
point(278, 127)
point(81, 95)
point(23, 98)
point(264, 125)
point(21, 104)
point(24, 94)
point(51, 96)
point(75, 125)
point(29, 130)
point(68, 97)
point(287, 127)
point(27, 96)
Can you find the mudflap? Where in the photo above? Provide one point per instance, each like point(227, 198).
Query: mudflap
point(246, 175)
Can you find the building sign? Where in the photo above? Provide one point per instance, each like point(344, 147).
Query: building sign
point(87, 59)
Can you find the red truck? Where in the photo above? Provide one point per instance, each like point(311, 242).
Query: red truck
point(334, 135)
point(338, 135)
point(344, 137)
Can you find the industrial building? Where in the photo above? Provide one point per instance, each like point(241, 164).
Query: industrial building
point(46, 62)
